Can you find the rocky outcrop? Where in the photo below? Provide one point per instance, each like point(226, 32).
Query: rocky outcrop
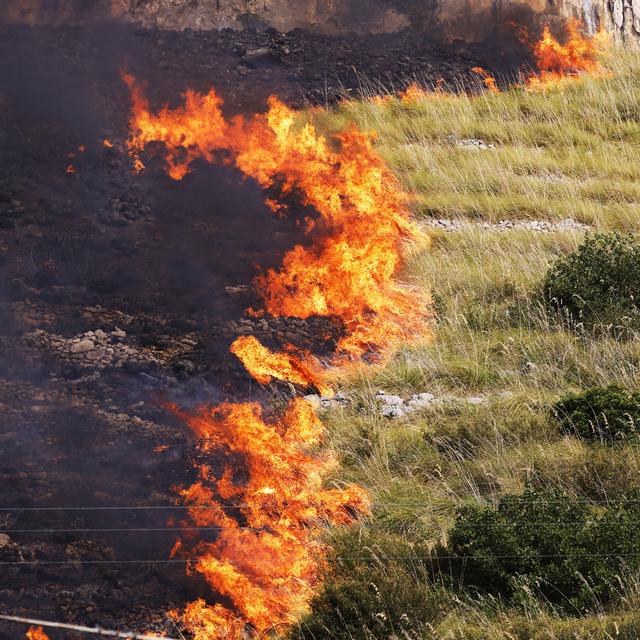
point(467, 19)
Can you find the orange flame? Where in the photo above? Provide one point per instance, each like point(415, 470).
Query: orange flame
point(270, 509)
point(70, 170)
point(350, 270)
point(488, 80)
point(36, 634)
point(107, 143)
point(265, 365)
point(579, 54)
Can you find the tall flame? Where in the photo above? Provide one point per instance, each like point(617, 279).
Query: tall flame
point(268, 509)
point(578, 55)
point(36, 633)
point(350, 269)
point(263, 488)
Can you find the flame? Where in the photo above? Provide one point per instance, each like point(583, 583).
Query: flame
point(413, 93)
point(350, 269)
point(36, 634)
point(264, 490)
point(70, 170)
point(488, 80)
point(265, 365)
point(266, 557)
point(579, 54)
point(107, 143)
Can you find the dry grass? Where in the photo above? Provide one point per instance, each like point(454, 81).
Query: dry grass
point(570, 153)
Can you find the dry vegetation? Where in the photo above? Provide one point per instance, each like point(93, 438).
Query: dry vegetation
point(563, 153)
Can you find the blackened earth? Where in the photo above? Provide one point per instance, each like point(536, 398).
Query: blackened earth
point(119, 292)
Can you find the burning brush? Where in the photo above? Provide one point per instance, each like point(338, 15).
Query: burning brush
point(261, 485)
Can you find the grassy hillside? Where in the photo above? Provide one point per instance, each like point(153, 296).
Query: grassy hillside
point(500, 358)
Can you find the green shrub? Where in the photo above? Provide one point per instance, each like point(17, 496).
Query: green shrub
point(377, 586)
point(603, 414)
point(546, 545)
point(599, 283)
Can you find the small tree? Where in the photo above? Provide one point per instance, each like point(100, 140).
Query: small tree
point(603, 414)
point(599, 283)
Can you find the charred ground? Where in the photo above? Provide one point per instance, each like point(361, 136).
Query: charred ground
point(118, 291)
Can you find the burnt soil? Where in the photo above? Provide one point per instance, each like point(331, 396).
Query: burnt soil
point(121, 291)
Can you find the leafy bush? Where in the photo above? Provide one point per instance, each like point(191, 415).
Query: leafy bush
point(546, 545)
point(603, 413)
point(599, 283)
point(373, 589)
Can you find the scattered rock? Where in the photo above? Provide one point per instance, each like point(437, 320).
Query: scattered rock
point(82, 346)
point(392, 411)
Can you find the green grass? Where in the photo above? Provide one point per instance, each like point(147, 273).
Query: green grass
point(570, 153)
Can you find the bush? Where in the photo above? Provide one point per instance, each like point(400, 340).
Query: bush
point(599, 283)
point(377, 586)
point(546, 545)
point(604, 414)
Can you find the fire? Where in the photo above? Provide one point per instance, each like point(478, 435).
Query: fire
point(270, 507)
point(36, 634)
point(107, 143)
point(488, 80)
point(264, 489)
point(413, 93)
point(578, 55)
point(70, 170)
point(349, 271)
point(265, 365)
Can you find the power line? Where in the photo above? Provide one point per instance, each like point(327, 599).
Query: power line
point(170, 561)
point(550, 523)
point(612, 501)
point(75, 627)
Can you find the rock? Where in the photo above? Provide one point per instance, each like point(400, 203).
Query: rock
point(390, 400)
point(419, 401)
point(5, 540)
point(119, 333)
point(314, 400)
point(100, 334)
point(505, 395)
point(83, 346)
point(475, 400)
point(392, 411)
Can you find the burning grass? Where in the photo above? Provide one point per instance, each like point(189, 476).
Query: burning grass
point(570, 151)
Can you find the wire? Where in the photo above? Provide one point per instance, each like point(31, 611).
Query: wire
point(369, 557)
point(551, 523)
point(133, 529)
point(244, 506)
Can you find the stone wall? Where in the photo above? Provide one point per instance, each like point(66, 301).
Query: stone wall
point(468, 19)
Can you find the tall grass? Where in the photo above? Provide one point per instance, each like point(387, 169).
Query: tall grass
point(570, 152)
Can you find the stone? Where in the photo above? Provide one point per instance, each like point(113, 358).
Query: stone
point(388, 399)
point(475, 400)
point(119, 333)
point(392, 411)
point(82, 346)
point(505, 395)
point(314, 400)
point(100, 334)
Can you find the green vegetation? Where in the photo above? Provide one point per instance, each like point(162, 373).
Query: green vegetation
point(438, 472)
point(599, 283)
point(601, 414)
point(543, 544)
